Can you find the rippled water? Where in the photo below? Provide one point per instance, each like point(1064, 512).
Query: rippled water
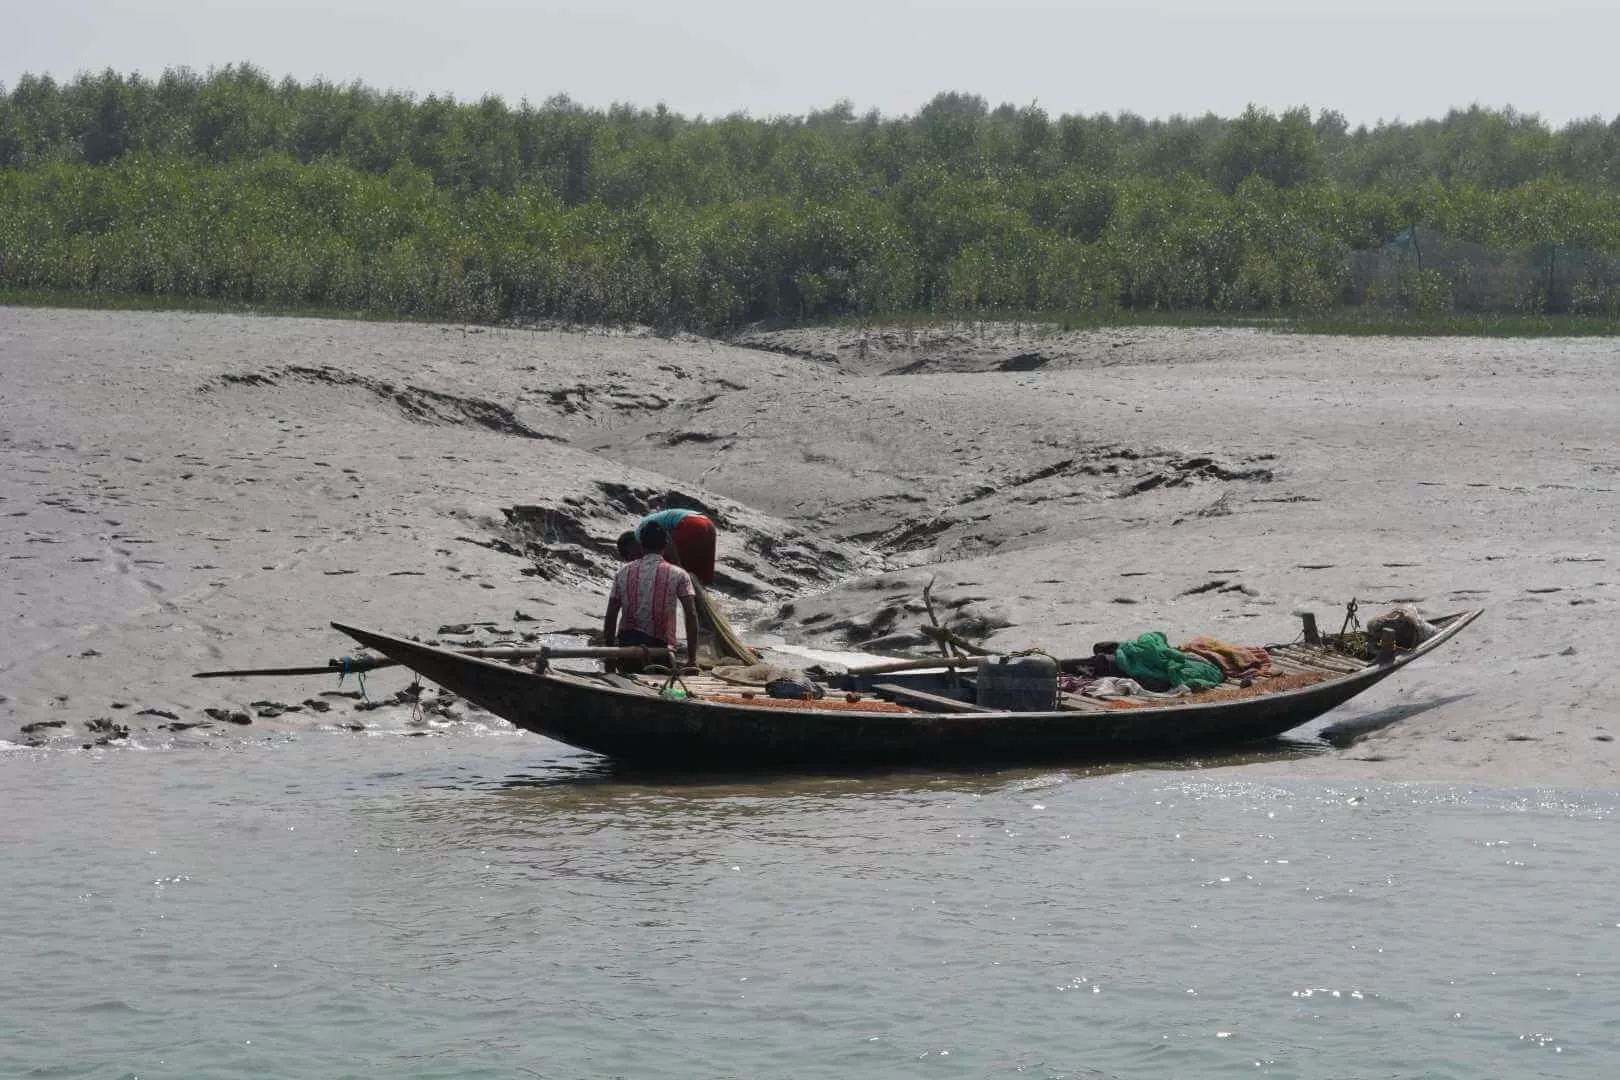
point(473, 906)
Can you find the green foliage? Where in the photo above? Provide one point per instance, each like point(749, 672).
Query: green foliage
point(234, 189)
point(1281, 150)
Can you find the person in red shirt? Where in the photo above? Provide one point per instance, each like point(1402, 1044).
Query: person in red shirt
point(689, 540)
point(646, 593)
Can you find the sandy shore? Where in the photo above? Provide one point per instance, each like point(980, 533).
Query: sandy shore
point(185, 492)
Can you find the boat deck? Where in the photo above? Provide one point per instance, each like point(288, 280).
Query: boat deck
point(707, 687)
point(1293, 665)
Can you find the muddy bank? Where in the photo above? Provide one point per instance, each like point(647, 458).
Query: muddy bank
point(194, 492)
point(190, 493)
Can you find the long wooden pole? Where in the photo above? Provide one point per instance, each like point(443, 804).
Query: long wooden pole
point(353, 665)
point(915, 665)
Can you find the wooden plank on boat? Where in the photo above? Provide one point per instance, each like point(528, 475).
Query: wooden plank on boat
point(625, 682)
point(1285, 657)
point(1285, 665)
point(1080, 703)
point(1319, 659)
point(1322, 652)
point(698, 684)
point(933, 702)
point(705, 685)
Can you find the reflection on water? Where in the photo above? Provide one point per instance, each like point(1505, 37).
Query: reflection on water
point(608, 777)
point(355, 907)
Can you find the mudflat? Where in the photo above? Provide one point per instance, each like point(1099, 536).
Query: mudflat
point(186, 492)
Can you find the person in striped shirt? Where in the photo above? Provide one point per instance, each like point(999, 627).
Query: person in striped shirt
point(646, 593)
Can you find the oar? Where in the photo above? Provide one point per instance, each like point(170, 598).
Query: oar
point(332, 667)
point(345, 666)
point(350, 664)
point(889, 666)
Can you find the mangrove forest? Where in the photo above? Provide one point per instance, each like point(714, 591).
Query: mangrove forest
point(230, 187)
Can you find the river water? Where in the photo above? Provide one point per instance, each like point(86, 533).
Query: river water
point(487, 904)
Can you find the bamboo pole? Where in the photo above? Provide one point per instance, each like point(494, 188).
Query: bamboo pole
point(915, 665)
point(355, 664)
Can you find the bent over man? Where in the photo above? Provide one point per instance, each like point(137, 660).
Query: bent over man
point(689, 541)
point(646, 592)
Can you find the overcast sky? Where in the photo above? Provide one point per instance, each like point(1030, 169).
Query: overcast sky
point(1370, 59)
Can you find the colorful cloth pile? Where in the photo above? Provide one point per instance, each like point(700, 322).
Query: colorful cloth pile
point(1235, 661)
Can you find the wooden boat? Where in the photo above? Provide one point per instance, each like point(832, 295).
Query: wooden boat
point(629, 720)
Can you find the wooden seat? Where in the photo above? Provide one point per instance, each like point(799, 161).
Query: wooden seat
point(935, 702)
point(1080, 703)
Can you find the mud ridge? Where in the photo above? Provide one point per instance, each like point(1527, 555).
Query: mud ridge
point(1155, 469)
point(573, 540)
point(590, 402)
point(414, 402)
point(894, 623)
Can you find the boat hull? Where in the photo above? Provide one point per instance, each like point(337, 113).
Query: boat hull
point(638, 727)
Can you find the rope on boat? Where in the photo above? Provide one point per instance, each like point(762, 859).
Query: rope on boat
point(359, 676)
point(1352, 624)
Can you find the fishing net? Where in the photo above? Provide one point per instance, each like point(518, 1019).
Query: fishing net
point(1426, 268)
point(720, 641)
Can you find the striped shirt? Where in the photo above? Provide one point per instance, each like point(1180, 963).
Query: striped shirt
point(649, 591)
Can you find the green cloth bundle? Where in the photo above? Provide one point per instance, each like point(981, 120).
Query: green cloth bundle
point(1150, 657)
